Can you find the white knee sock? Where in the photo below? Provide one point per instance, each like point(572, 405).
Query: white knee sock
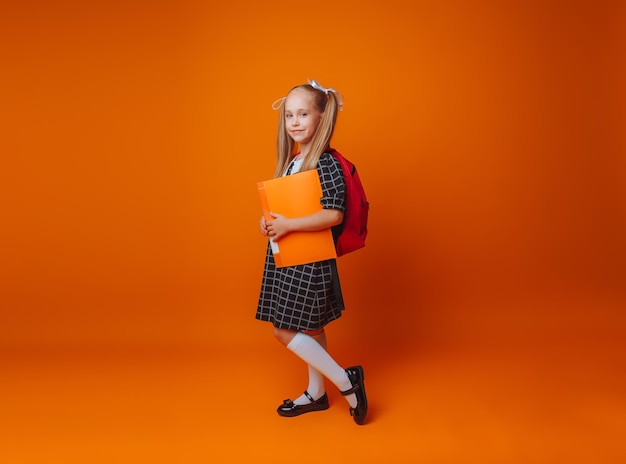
point(307, 349)
point(316, 387)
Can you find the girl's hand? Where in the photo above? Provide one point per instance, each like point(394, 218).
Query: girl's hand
point(263, 226)
point(278, 227)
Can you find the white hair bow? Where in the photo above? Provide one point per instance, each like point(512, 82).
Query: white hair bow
point(318, 86)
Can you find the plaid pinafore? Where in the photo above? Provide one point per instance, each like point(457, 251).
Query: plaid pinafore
point(307, 296)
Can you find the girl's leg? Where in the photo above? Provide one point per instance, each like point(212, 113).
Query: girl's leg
point(316, 387)
point(312, 352)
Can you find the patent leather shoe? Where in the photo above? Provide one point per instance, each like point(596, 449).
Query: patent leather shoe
point(290, 409)
point(357, 378)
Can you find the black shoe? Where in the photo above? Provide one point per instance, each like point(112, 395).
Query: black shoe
point(289, 409)
point(357, 378)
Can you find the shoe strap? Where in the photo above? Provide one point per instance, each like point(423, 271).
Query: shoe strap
point(306, 393)
point(350, 390)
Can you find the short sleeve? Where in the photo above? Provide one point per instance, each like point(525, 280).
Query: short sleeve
point(333, 184)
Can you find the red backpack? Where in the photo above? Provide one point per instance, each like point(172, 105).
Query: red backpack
point(354, 226)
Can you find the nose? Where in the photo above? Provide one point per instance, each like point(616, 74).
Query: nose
point(295, 121)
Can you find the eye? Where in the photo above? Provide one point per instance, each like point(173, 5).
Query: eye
point(288, 116)
point(304, 115)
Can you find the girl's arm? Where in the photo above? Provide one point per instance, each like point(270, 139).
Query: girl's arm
point(281, 225)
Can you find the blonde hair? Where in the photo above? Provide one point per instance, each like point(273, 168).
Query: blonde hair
point(286, 148)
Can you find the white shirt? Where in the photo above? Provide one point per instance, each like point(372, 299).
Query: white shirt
point(296, 165)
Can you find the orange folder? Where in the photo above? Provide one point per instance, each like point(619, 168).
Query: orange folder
point(294, 196)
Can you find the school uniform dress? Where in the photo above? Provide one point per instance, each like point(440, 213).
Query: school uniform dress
point(306, 296)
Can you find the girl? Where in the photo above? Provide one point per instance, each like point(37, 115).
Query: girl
point(300, 300)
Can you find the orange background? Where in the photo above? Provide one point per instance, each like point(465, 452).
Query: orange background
point(490, 138)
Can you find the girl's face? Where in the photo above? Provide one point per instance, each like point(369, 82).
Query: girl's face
point(301, 116)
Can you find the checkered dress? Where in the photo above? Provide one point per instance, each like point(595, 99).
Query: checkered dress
point(307, 296)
